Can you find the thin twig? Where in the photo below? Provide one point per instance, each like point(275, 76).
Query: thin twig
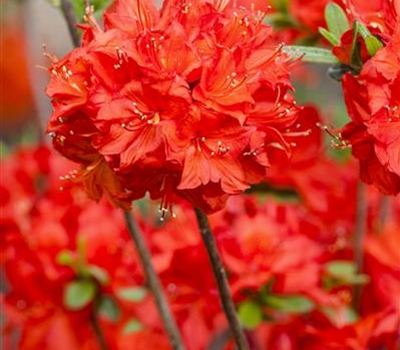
point(68, 12)
point(222, 281)
point(384, 213)
point(154, 283)
point(220, 340)
point(358, 241)
point(98, 332)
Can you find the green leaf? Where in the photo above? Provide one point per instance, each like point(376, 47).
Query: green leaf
point(349, 315)
point(344, 272)
point(250, 314)
point(341, 268)
point(134, 294)
point(333, 40)
point(78, 294)
point(132, 326)
point(336, 20)
point(361, 29)
point(65, 258)
point(373, 44)
point(98, 273)
point(311, 54)
point(293, 304)
point(108, 308)
point(356, 61)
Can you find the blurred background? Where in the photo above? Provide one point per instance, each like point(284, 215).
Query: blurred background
point(25, 27)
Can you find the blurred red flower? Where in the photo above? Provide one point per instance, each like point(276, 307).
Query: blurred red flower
point(16, 100)
point(51, 239)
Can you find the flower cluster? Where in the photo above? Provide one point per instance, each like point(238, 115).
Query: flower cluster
point(285, 298)
point(192, 100)
point(53, 243)
point(372, 94)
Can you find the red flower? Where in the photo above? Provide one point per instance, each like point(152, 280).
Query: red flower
point(16, 100)
point(371, 95)
point(38, 225)
point(382, 263)
point(262, 245)
point(372, 332)
point(380, 15)
point(372, 98)
point(202, 125)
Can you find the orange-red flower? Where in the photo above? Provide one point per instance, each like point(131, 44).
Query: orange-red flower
point(372, 99)
point(39, 224)
point(263, 245)
point(191, 100)
point(16, 98)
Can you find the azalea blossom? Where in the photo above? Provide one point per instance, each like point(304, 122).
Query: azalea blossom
point(262, 244)
point(372, 95)
point(51, 240)
point(192, 100)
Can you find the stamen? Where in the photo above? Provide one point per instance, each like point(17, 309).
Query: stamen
point(185, 8)
point(337, 141)
point(298, 133)
point(90, 19)
point(49, 56)
point(393, 114)
point(230, 83)
point(255, 151)
point(166, 205)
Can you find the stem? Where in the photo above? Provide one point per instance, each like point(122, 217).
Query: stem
point(358, 242)
point(221, 279)
point(154, 283)
point(384, 212)
point(68, 12)
point(219, 341)
point(98, 332)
